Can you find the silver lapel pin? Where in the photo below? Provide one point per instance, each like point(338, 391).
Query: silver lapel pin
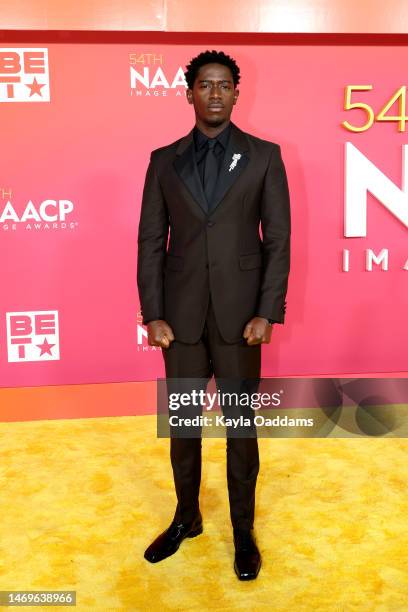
point(235, 158)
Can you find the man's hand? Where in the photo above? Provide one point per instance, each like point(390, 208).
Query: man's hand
point(258, 331)
point(159, 333)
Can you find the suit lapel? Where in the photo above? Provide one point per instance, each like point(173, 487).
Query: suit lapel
point(186, 167)
point(231, 169)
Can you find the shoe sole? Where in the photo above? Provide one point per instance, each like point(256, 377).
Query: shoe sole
point(195, 533)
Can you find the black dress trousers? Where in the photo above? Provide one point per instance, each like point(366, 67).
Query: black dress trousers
point(211, 355)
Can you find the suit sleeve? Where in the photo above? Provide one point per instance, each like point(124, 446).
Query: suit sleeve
point(152, 243)
point(276, 228)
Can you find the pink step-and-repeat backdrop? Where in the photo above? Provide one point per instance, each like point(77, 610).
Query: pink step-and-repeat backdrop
point(78, 122)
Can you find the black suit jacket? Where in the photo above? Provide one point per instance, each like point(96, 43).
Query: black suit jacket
point(185, 252)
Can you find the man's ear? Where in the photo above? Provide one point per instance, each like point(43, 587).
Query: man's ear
point(236, 94)
point(189, 95)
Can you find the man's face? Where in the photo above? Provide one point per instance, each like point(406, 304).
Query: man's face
point(213, 94)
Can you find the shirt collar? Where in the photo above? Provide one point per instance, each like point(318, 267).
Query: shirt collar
point(200, 139)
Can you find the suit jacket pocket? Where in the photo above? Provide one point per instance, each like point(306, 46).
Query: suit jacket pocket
point(174, 262)
point(248, 262)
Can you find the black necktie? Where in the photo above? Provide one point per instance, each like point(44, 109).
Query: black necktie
point(210, 170)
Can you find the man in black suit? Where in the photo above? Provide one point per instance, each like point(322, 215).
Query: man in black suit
point(211, 293)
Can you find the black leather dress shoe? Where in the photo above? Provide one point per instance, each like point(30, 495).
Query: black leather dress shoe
point(168, 542)
point(247, 556)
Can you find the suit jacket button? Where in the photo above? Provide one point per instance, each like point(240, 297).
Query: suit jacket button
point(210, 223)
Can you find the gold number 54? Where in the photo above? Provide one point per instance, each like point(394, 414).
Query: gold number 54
point(400, 96)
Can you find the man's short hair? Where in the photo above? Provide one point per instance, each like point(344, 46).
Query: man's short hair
point(211, 57)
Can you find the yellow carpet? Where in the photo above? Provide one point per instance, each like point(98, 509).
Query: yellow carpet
point(81, 500)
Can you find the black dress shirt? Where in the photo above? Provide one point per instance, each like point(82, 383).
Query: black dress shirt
point(201, 147)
